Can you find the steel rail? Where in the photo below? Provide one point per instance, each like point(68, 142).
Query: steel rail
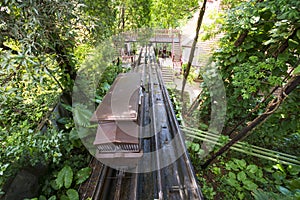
point(101, 183)
point(158, 172)
point(89, 188)
point(176, 191)
point(173, 120)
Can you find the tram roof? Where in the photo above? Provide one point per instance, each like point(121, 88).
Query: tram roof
point(121, 101)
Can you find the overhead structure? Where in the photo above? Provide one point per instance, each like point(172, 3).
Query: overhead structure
point(148, 36)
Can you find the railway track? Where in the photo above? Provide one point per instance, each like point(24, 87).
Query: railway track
point(165, 171)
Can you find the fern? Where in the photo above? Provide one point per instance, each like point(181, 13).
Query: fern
point(82, 115)
point(262, 195)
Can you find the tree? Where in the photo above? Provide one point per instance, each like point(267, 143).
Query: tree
point(257, 56)
point(192, 52)
point(167, 14)
point(271, 108)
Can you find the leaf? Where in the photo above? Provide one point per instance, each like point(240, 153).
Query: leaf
point(216, 170)
point(64, 197)
point(297, 70)
point(203, 126)
point(233, 59)
point(241, 163)
point(259, 174)
point(84, 132)
point(64, 177)
point(252, 168)
point(241, 176)
point(105, 86)
point(82, 115)
point(284, 190)
point(52, 197)
point(262, 195)
point(233, 182)
point(241, 56)
point(269, 42)
point(231, 175)
point(291, 41)
point(279, 176)
point(201, 152)
point(280, 167)
point(73, 135)
point(42, 197)
point(253, 58)
point(249, 185)
point(254, 19)
point(298, 34)
point(294, 184)
point(241, 195)
point(83, 174)
point(63, 120)
point(54, 184)
point(73, 194)
point(196, 147)
point(231, 165)
point(67, 107)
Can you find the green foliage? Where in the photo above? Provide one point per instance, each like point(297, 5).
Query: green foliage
point(192, 75)
point(252, 65)
point(107, 78)
point(206, 188)
point(297, 70)
point(42, 45)
point(259, 52)
point(136, 14)
point(64, 181)
point(36, 35)
point(82, 115)
point(229, 4)
point(242, 179)
point(72, 194)
point(24, 148)
point(282, 130)
point(167, 14)
point(177, 105)
point(82, 175)
point(262, 195)
point(287, 184)
point(64, 177)
point(29, 88)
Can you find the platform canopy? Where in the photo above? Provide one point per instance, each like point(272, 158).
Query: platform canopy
point(153, 36)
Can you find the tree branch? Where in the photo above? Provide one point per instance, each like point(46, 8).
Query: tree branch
point(191, 57)
point(271, 108)
point(55, 79)
point(241, 38)
point(194, 105)
point(285, 44)
point(259, 104)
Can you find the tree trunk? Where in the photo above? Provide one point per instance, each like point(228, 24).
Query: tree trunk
point(194, 105)
point(191, 57)
point(285, 44)
point(123, 17)
point(271, 108)
point(241, 38)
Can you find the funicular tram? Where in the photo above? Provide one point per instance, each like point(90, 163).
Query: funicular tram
point(117, 137)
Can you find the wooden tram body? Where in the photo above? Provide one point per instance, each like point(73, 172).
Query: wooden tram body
point(117, 137)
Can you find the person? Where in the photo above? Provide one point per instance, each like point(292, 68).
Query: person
point(164, 51)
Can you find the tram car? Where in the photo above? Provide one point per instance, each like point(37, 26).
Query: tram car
point(117, 137)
